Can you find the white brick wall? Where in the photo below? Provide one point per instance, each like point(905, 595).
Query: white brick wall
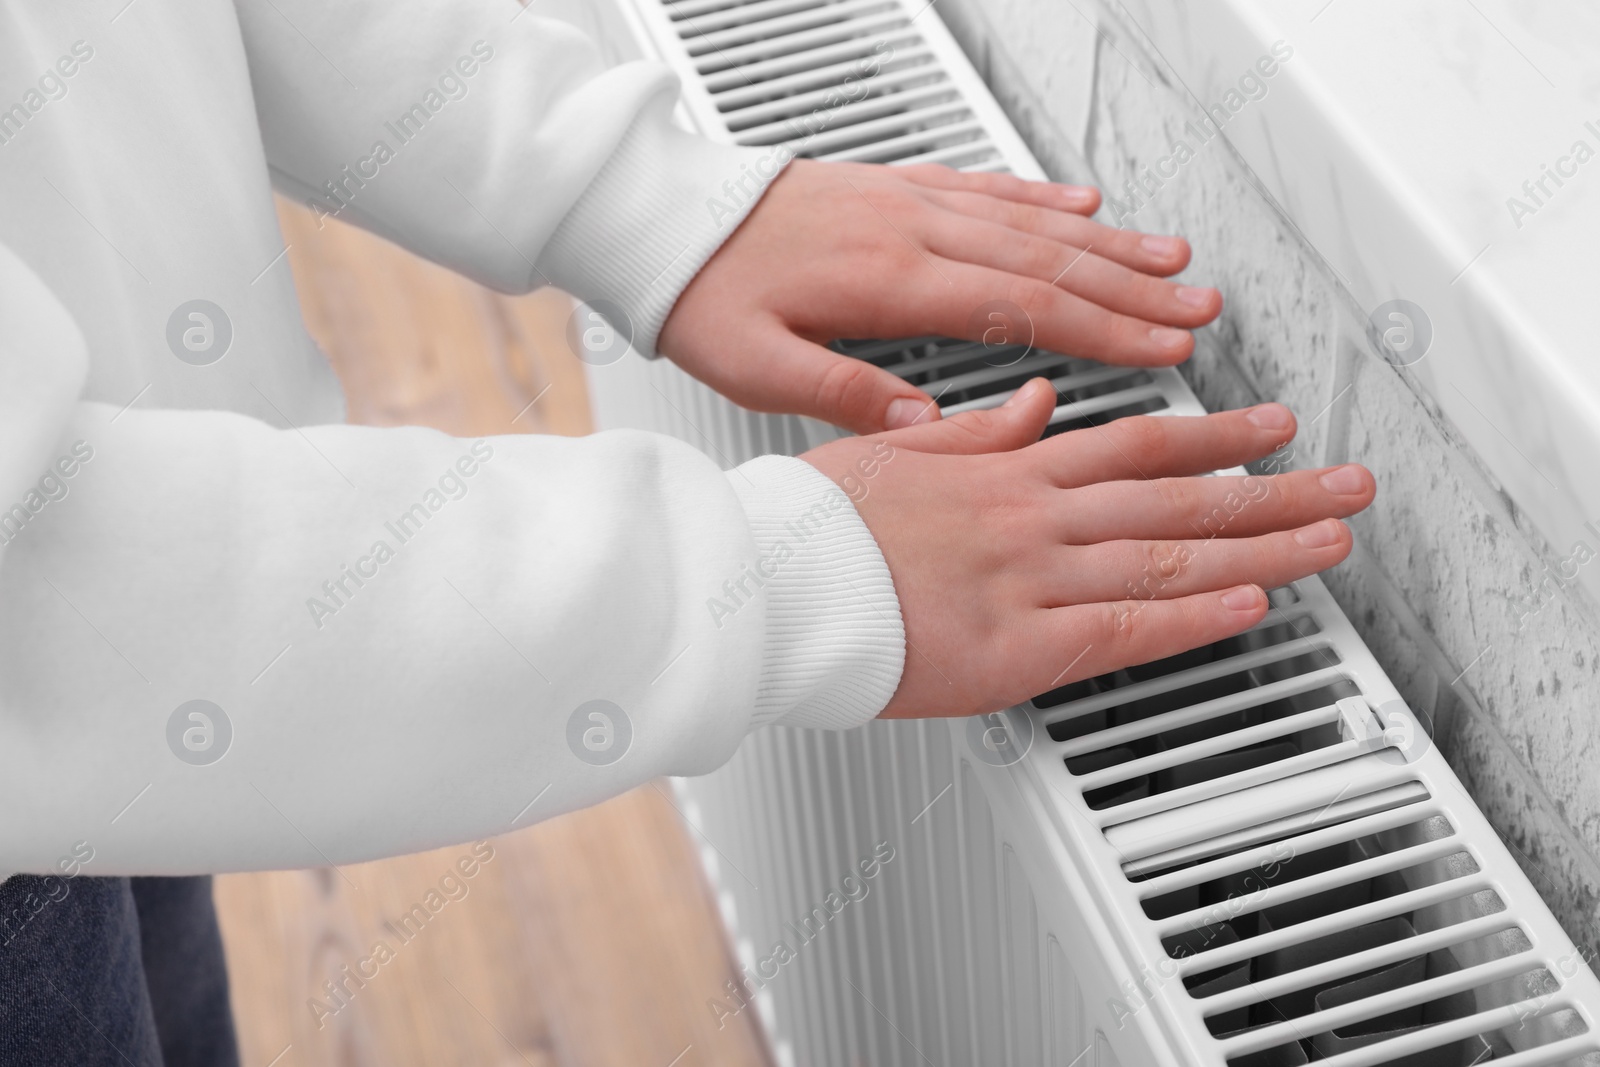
point(1445, 566)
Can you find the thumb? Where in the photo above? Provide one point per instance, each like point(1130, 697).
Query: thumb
point(845, 391)
point(1015, 424)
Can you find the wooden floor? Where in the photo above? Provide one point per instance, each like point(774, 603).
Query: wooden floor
point(591, 939)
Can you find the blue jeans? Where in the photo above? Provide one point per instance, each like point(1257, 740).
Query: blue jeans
point(114, 971)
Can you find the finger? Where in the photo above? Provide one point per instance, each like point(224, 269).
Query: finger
point(1165, 446)
point(1058, 320)
point(795, 376)
point(1149, 253)
point(1015, 424)
point(1089, 640)
point(1164, 570)
point(1075, 269)
point(1079, 199)
point(1173, 508)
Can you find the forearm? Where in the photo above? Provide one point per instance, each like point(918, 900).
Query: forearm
point(493, 142)
point(399, 628)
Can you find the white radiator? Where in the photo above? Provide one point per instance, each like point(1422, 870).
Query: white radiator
point(1249, 854)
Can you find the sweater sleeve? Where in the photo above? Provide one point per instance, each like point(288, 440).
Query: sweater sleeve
point(228, 646)
point(493, 140)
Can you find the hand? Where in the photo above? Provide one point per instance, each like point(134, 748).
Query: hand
point(847, 250)
point(1021, 567)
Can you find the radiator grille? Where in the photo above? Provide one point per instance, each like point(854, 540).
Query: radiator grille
point(1249, 854)
point(1277, 820)
point(851, 80)
point(970, 375)
point(860, 80)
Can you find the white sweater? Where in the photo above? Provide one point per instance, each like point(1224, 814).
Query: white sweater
point(403, 630)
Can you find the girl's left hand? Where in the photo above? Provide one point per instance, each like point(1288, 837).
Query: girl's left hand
point(847, 250)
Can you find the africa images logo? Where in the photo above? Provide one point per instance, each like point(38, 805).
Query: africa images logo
point(199, 732)
point(1000, 738)
point(599, 732)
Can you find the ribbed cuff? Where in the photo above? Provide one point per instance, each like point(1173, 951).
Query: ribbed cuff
point(835, 643)
point(658, 209)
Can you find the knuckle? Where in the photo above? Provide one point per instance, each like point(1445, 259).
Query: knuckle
point(1174, 496)
point(1036, 299)
point(1044, 258)
point(974, 424)
point(890, 258)
point(1276, 489)
point(1162, 560)
point(899, 198)
point(976, 181)
point(1197, 619)
point(1024, 217)
point(846, 386)
point(985, 419)
point(1301, 490)
point(1150, 292)
point(1145, 435)
point(1278, 493)
point(1003, 184)
point(1120, 623)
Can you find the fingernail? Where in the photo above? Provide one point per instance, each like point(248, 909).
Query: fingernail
point(904, 411)
point(1321, 535)
point(1270, 416)
point(1195, 298)
point(1348, 480)
point(1162, 246)
point(1167, 337)
point(1242, 598)
point(1078, 194)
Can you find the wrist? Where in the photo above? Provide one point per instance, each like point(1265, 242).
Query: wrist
point(834, 641)
point(662, 205)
